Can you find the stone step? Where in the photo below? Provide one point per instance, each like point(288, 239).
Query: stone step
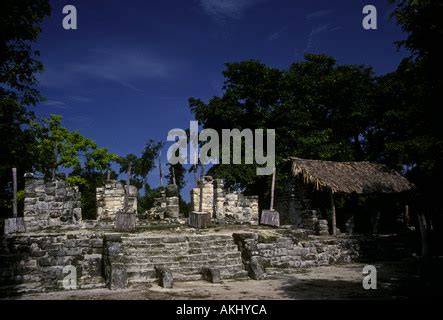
point(185, 256)
point(239, 275)
point(138, 281)
point(175, 239)
point(227, 267)
point(180, 250)
point(182, 262)
point(179, 257)
point(186, 244)
point(189, 274)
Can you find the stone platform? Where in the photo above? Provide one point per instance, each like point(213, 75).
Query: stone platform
point(42, 261)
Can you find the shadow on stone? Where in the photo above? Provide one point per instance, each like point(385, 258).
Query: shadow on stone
point(164, 276)
point(211, 275)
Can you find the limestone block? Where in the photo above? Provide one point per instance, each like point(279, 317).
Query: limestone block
point(255, 269)
point(42, 205)
point(270, 218)
point(164, 276)
point(231, 197)
point(125, 222)
point(14, 225)
point(211, 275)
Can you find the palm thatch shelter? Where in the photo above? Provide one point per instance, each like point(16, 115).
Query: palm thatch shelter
point(331, 178)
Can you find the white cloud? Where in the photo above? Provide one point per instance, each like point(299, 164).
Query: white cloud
point(80, 99)
point(318, 14)
point(315, 32)
point(55, 104)
point(122, 67)
point(80, 121)
point(319, 29)
point(277, 34)
point(220, 10)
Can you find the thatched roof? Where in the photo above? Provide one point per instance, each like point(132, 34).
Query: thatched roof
point(348, 177)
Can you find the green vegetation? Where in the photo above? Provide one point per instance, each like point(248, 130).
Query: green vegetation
point(324, 110)
point(319, 108)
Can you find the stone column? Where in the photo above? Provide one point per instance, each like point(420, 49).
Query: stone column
point(219, 199)
point(208, 196)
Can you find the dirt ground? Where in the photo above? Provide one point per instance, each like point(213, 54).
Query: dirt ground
point(329, 282)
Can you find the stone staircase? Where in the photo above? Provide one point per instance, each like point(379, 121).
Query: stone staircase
point(185, 256)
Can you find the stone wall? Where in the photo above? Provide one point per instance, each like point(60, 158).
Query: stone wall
point(40, 261)
point(238, 207)
point(208, 195)
point(287, 252)
point(36, 262)
point(167, 206)
point(50, 203)
point(311, 221)
point(111, 199)
point(292, 200)
point(283, 252)
point(225, 206)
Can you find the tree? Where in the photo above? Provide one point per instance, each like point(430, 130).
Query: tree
point(147, 200)
point(88, 166)
point(128, 165)
point(57, 147)
point(94, 172)
point(421, 21)
point(319, 110)
point(410, 127)
point(419, 77)
point(176, 175)
point(101, 160)
point(19, 27)
point(147, 161)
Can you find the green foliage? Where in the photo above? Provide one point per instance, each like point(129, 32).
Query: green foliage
point(20, 26)
point(77, 180)
point(147, 161)
point(178, 172)
point(421, 21)
point(319, 109)
point(57, 147)
point(411, 100)
point(138, 169)
point(100, 159)
point(146, 201)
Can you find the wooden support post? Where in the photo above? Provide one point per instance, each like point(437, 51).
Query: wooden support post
point(406, 217)
point(160, 168)
point(14, 186)
point(334, 218)
point(424, 232)
point(173, 176)
point(202, 177)
point(272, 190)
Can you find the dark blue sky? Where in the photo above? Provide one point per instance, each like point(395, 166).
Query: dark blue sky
point(126, 73)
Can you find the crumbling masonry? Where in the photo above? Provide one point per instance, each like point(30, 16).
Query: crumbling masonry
point(222, 205)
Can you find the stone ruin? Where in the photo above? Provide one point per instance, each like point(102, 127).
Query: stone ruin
point(224, 206)
point(167, 206)
point(38, 259)
point(50, 203)
point(111, 199)
point(294, 203)
point(57, 204)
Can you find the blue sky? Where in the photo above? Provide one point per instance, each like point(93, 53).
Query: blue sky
point(126, 73)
